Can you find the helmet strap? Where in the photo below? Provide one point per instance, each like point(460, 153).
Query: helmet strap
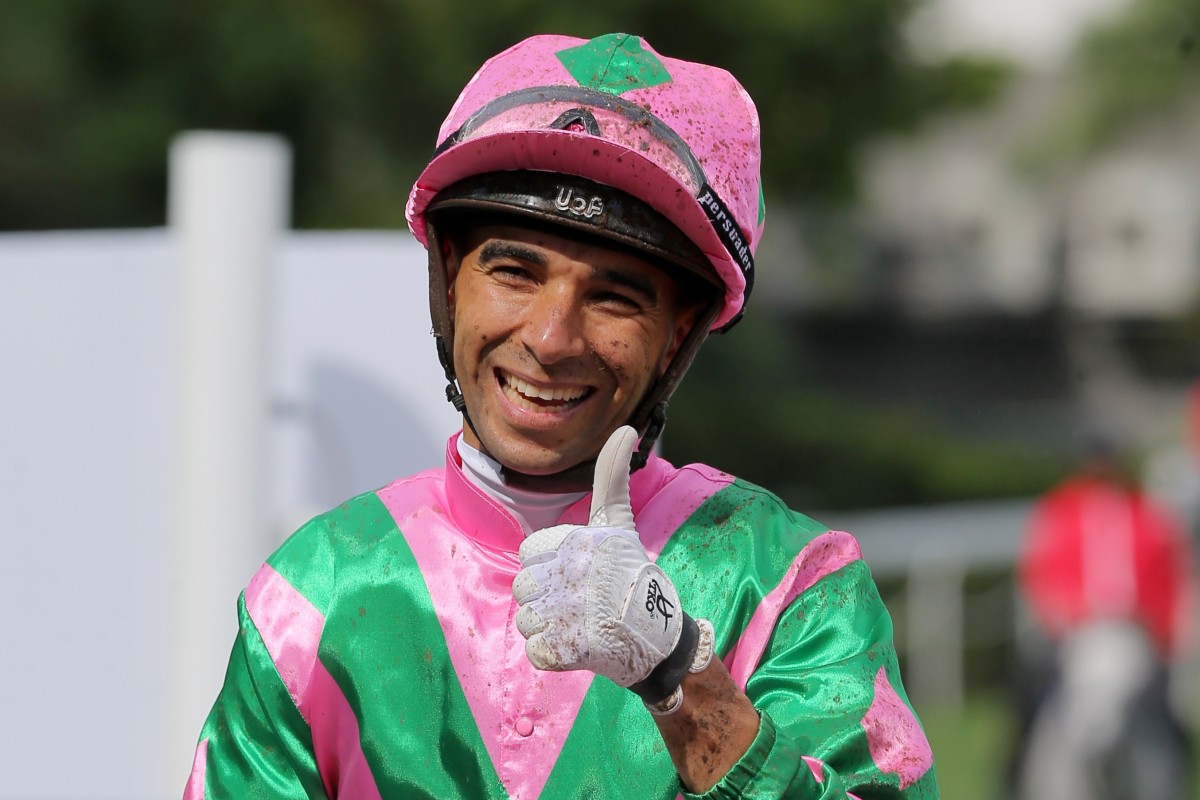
point(650, 417)
point(443, 325)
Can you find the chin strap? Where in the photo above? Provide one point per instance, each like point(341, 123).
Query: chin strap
point(453, 394)
point(650, 417)
point(654, 429)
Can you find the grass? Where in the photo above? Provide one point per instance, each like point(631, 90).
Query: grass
point(971, 745)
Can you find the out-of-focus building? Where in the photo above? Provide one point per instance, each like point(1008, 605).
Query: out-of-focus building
point(1025, 298)
point(969, 229)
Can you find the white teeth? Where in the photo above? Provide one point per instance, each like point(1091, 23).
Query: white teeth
point(529, 391)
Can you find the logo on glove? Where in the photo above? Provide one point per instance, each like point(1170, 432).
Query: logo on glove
point(656, 601)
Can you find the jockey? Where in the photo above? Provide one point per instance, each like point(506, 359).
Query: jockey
point(557, 611)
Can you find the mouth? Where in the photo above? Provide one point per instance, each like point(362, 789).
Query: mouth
point(529, 397)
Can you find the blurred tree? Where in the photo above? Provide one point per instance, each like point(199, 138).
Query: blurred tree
point(750, 405)
point(92, 91)
point(1138, 67)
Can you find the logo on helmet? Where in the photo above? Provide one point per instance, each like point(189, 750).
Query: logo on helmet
point(579, 206)
point(727, 228)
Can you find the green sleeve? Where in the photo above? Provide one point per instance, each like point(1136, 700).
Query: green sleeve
point(258, 746)
point(830, 652)
point(773, 767)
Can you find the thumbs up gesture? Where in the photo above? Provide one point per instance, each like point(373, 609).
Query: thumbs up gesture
point(592, 599)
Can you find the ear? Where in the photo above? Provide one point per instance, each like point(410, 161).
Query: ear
point(684, 320)
point(452, 261)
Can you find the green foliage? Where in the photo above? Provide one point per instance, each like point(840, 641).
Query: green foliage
point(819, 450)
point(92, 91)
point(1140, 66)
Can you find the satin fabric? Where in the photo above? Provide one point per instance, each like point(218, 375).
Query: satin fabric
point(378, 657)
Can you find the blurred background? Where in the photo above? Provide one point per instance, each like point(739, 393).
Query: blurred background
point(983, 248)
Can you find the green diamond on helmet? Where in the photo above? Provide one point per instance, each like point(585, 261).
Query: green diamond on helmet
point(614, 63)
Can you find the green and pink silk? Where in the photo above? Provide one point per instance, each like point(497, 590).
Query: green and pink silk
point(378, 657)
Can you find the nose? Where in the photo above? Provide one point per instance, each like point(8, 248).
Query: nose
point(553, 328)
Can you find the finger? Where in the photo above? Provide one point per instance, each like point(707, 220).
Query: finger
point(543, 542)
point(535, 580)
point(525, 587)
point(543, 656)
point(529, 622)
point(610, 487)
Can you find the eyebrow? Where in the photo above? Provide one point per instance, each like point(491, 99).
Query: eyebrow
point(496, 249)
point(499, 249)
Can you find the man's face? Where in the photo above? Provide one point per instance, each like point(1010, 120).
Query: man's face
point(555, 341)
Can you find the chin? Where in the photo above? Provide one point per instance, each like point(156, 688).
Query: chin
point(534, 460)
point(538, 467)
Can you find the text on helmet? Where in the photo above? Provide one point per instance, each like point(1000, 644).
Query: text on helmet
point(578, 205)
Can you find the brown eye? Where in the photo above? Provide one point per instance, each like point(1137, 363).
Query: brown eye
point(511, 272)
point(618, 300)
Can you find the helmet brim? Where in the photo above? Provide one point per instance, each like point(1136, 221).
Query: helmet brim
point(593, 158)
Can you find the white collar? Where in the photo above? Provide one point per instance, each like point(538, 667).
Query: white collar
point(534, 510)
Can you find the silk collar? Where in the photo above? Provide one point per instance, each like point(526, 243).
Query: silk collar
point(488, 522)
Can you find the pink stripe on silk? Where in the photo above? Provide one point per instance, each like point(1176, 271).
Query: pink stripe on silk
point(195, 784)
point(817, 767)
point(503, 690)
point(337, 740)
point(660, 515)
point(290, 627)
point(894, 737)
point(823, 556)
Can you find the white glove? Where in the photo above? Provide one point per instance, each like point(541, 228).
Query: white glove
point(592, 599)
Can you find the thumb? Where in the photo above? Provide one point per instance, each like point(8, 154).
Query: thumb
point(610, 487)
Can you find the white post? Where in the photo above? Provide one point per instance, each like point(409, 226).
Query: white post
point(936, 635)
point(228, 206)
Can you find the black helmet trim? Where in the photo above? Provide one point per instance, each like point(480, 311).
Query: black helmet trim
point(580, 204)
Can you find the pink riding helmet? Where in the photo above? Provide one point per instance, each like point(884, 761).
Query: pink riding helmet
point(682, 137)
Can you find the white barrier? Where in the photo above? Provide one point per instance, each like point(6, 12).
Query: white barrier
point(229, 206)
point(89, 354)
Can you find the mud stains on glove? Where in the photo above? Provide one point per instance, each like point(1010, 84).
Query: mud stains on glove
point(592, 599)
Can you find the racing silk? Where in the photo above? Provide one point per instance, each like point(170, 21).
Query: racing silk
point(378, 657)
point(1095, 549)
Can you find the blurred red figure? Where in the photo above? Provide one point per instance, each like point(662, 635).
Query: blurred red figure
point(1098, 547)
point(1108, 573)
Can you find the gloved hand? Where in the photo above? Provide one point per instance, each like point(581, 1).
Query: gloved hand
point(592, 599)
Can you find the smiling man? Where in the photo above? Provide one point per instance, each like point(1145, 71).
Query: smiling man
point(558, 612)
